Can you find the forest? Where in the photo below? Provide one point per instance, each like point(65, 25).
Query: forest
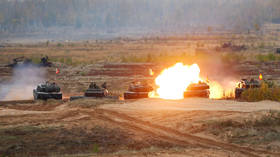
point(20, 16)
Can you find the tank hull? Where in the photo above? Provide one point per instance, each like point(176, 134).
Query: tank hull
point(244, 85)
point(95, 94)
point(136, 95)
point(46, 96)
point(200, 89)
point(197, 93)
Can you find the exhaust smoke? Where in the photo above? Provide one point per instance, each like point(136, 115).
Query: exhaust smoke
point(24, 80)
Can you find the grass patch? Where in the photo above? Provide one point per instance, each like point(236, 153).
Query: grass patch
point(59, 45)
point(39, 141)
point(83, 73)
point(267, 91)
point(260, 128)
point(265, 119)
point(267, 57)
point(35, 59)
point(95, 148)
point(167, 58)
point(68, 61)
point(183, 57)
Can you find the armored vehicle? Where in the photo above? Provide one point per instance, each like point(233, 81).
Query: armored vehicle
point(278, 50)
point(96, 91)
point(138, 90)
point(45, 62)
point(243, 85)
point(20, 61)
point(47, 91)
point(200, 89)
point(231, 47)
point(93, 91)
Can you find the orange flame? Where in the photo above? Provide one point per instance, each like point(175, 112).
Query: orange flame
point(173, 81)
point(151, 72)
point(260, 77)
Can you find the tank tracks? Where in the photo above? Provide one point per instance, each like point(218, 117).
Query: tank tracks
point(172, 135)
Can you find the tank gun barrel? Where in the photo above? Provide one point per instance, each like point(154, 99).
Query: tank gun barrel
point(19, 58)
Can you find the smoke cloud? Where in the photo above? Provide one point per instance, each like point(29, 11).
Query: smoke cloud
point(24, 80)
point(221, 75)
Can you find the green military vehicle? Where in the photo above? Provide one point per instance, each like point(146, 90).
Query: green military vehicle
point(243, 85)
point(47, 91)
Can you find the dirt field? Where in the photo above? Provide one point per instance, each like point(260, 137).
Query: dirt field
point(89, 127)
point(147, 127)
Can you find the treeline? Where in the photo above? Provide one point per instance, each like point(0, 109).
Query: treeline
point(106, 15)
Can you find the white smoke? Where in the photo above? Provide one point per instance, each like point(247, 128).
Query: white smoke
point(24, 80)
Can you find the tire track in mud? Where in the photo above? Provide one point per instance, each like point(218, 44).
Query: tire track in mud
point(141, 129)
point(164, 133)
point(170, 133)
point(144, 130)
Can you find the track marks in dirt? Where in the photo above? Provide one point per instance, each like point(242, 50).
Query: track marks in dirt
point(154, 131)
point(147, 132)
point(174, 135)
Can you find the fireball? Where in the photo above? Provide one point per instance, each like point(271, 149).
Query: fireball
point(260, 77)
point(173, 81)
point(151, 72)
point(216, 90)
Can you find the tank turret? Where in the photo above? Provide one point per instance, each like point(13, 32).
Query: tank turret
point(47, 91)
point(200, 89)
point(95, 91)
point(138, 90)
point(45, 62)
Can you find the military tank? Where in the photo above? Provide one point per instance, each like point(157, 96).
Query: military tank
point(278, 50)
point(138, 90)
point(200, 89)
point(93, 91)
point(243, 85)
point(20, 61)
point(47, 91)
point(96, 91)
point(45, 62)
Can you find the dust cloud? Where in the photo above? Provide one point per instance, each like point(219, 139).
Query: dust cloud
point(24, 80)
point(222, 77)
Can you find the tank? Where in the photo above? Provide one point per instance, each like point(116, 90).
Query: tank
point(231, 47)
point(96, 91)
point(200, 89)
point(45, 62)
point(138, 90)
point(278, 50)
point(243, 85)
point(20, 61)
point(93, 91)
point(47, 91)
